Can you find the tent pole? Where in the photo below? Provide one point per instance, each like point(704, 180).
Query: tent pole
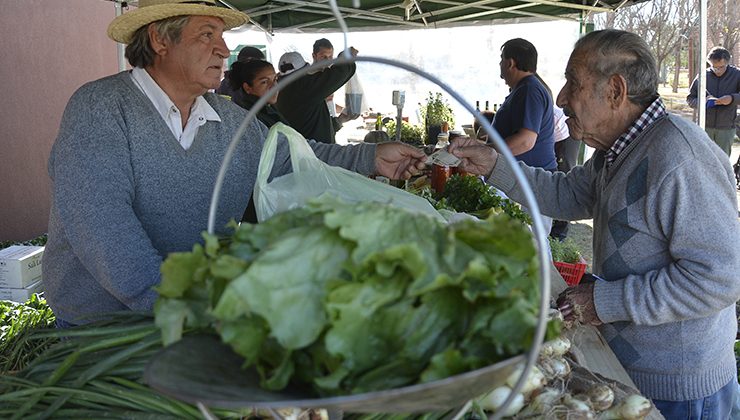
point(701, 69)
point(121, 48)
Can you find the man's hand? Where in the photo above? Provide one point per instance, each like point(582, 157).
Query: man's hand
point(723, 100)
point(477, 158)
point(398, 161)
point(352, 51)
point(577, 304)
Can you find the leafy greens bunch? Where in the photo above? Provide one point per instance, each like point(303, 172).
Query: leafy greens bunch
point(18, 321)
point(468, 194)
point(355, 298)
point(37, 241)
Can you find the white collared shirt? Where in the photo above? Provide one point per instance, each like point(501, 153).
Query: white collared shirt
point(561, 128)
point(200, 112)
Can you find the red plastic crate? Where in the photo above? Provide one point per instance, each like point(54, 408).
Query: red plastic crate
point(571, 273)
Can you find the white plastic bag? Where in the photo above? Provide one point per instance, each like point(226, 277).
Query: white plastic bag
point(311, 177)
point(354, 98)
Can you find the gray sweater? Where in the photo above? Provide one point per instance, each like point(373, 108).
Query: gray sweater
point(125, 193)
point(666, 237)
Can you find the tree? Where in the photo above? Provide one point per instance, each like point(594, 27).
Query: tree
point(655, 21)
point(667, 26)
point(687, 20)
point(723, 24)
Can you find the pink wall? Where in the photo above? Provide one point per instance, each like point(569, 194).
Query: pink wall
point(49, 49)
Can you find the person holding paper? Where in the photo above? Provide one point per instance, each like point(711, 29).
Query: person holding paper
point(723, 96)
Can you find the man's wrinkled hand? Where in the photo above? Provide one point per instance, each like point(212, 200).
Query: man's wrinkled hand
point(577, 304)
point(398, 161)
point(476, 158)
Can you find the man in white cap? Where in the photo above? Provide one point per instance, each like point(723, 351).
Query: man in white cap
point(303, 102)
point(137, 155)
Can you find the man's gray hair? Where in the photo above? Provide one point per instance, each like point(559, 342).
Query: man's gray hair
point(612, 51)
point(139, 52)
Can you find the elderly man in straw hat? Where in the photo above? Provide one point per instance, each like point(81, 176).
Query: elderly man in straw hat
point(662, 198)
point(137, 155)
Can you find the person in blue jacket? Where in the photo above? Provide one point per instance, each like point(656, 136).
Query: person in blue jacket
point(723, 96)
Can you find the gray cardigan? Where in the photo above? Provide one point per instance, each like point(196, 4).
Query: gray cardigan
point(666, 237)
point(125, 193)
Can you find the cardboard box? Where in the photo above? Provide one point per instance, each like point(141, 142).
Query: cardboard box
point(20, 266)
point(21, 295)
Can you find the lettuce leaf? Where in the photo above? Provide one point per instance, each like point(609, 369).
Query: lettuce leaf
point(351, 298)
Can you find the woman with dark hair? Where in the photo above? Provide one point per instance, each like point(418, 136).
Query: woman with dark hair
point(250, 80)
point(245, 54)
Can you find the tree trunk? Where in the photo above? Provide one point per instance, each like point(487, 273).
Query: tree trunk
point(692, 58)
point(676, 66)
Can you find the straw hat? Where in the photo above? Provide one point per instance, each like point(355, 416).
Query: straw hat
point(123, 27)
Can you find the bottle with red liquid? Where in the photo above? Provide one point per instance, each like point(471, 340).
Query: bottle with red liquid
point(440, 175)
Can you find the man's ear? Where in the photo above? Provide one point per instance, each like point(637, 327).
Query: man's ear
point(617, 90)
point(158, 43)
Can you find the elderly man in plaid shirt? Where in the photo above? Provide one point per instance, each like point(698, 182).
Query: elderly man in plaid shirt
point(662, 198)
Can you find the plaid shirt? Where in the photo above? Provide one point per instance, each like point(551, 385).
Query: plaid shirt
point(652, 113)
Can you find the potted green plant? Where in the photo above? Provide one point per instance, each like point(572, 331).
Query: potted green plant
point(568, 260)
point(436, 112)
point(410, 134)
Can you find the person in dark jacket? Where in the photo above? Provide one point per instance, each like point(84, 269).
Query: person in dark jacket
point(303, 102)
point(723, 96)
point(245, 54)
point(250, 80)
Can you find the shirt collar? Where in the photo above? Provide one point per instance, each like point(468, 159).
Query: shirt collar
point(163, 104)
point(649, 116)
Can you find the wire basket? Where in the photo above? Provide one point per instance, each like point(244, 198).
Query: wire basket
point(375, 401)
point(571, 272)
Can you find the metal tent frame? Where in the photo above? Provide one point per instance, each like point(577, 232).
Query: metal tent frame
point(316, 16)
point(275, 16)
